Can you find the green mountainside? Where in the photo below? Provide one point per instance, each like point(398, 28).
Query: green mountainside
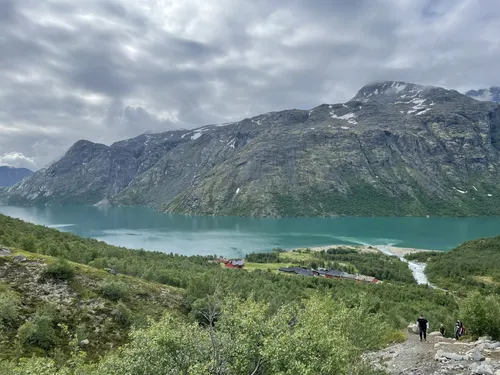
point(394, 149)
point(71, 305)
point(473, 264)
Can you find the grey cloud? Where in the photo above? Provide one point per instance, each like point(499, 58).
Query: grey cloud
point(111, 69)
point(7, 11)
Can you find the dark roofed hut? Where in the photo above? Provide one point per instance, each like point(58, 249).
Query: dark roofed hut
point(306, 272)
point(334, 273)
point(322, 272)
point(291, 269)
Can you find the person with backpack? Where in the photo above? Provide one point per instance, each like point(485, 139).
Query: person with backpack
point(459, 329)
point(423, 325)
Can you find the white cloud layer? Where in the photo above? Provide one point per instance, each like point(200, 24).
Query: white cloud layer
point(110, 69)
point(18, 160)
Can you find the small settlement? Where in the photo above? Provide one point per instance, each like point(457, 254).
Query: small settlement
point(232, 263)
point(330, 274)
point(320, 272)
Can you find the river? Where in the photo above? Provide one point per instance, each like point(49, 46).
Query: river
point(135, 227)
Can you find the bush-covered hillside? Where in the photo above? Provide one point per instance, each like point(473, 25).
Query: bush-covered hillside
point(473, 264)
point(38, 294)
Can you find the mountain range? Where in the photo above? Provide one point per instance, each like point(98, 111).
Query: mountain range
point(10, 176)
point(395, 148)
point(492, 94)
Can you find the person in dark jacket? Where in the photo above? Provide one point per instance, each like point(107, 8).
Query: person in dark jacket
point(442, 330)
point(422, 327)
point(459, 329)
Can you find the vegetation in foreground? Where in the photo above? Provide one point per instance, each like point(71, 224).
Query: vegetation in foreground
point(279, 322)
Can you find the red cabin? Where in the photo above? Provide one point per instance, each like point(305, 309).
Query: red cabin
point(235, 263)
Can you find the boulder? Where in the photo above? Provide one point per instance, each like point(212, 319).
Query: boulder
point(111, 271)
point(485, 338)
point(474, 355)
point(493, 345)
point(5, 251)
point(442, 356)
point(435, 333)
point(412, 328)
point(20, 258)
point(482, 369)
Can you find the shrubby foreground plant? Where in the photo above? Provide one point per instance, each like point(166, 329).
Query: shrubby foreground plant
point(322, 336)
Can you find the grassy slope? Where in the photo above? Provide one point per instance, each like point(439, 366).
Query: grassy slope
point(80, 303)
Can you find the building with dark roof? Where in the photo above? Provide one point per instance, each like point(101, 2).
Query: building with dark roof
point(306, 272)
point(292, 269)
point(334, 273)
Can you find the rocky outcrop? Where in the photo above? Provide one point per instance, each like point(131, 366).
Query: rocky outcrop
point(10, 176)
point(394, 149)
point(4, 251)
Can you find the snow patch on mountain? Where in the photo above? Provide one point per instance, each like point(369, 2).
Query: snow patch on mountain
point(349, 117)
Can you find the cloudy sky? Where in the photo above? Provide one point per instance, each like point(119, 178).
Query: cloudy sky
point(106, 70)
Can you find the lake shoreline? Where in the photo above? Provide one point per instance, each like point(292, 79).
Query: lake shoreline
point(364, 249)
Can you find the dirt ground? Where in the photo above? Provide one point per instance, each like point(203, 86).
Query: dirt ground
point(413, 357)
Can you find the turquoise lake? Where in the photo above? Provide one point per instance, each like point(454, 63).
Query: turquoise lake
point(134, 227)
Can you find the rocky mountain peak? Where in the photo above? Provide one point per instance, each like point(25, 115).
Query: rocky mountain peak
point(492, 94)
point(397, 92)
point(387, 89)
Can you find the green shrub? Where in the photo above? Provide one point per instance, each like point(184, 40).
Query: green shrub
point(58, 271)
point(9, 308)
point(480, 315)
point(38, 333)
point(28, 243)
point(273, 257)
point(395, 337)
point(423, 256)
point(123, 314)
point(113, 290)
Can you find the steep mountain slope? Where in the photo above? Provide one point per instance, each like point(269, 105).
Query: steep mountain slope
point(492, 94)
point(394, 149)
point(10, 176)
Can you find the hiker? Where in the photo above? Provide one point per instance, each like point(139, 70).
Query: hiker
point(423, 324)
point(442, 330)
point(459, 329)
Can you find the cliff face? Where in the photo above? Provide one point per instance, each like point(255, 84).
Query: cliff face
point(394, 149)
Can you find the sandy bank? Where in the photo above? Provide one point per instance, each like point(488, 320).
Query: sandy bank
point(398, 251)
